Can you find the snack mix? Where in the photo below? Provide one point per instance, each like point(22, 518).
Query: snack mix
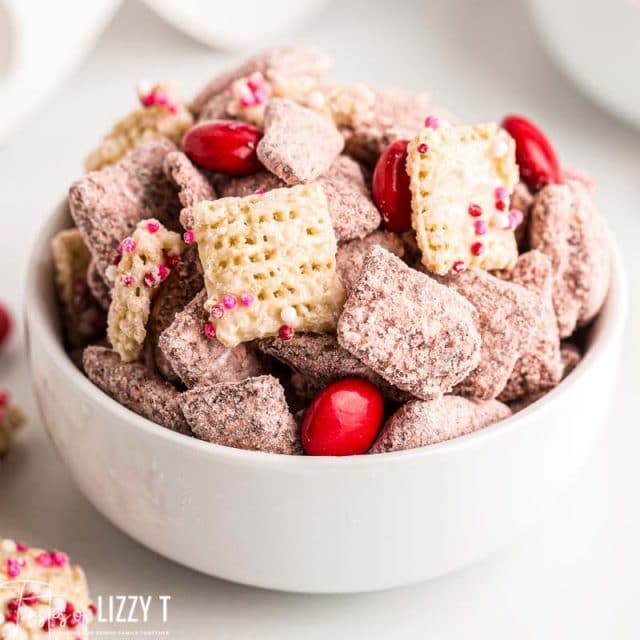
point(42, 595)
point(245, 266)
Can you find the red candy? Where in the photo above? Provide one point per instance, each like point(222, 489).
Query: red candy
point(535, 156)
point(391, 187)
point(224, 146)
point(343, 419)
point(5, 324)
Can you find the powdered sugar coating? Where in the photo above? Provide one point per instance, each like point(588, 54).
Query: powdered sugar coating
point(505, 314)
point(252, 414)
point(567, 227)
point(298, 145)
point(193, 185)
point(248, 185)
point(540, 368)
point(199, 360)
point(417, 334)
point(319, 360)
point(420, 424)
point(350, 256)
point(106, 205)
point(571, 356)
point(136, 387)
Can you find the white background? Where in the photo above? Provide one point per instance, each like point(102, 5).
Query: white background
point(575, 575)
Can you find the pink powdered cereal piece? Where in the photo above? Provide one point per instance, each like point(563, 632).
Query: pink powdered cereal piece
point(350, 256)
point(577, 176)
point(567, 227)
point(193, 184)
point(420, 424)
point(318, 360)
point(506, 314)
point(248, 185)
point(289, 61)
point(98, 287)
point(396, 115)
point(199, 360)
point(571, 356)
point(136, 387)
point(106, 205)
point(216, 108)
point(183, 283)
point(252, 414)
point(299, 144)
point(540, 368)
point(417, 334)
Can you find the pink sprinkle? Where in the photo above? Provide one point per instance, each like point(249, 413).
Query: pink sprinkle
point(173, 108)
point(477, 249)
point(148, 100)
point(151, 279)
point(210, 330)
point(128, 280)
point(173, 261)
point(163, 272)
point(285, 332)
point(246, 299)
point(432, 122)
point(502, 221)
point(128, 245)
point(115, 261)
point(44, 559)
point(246, 102)
point(21, 546)
point(153, 226)
point(423, 148)
point(515, 217)
point(501, 205)
point(475, 210)
point(229, 301)
point(13, 568)
point(3, 399)
point(480, 227)
point(501, 193)
point(189, 237)
point(458, 266)
point(161, 98)
point(260, 191)
point(59, 558)
point(217, 311)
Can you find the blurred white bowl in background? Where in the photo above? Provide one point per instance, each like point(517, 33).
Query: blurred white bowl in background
point(230, 25)
point(597, 44)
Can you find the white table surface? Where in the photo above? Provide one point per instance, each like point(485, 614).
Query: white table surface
point(575, 574)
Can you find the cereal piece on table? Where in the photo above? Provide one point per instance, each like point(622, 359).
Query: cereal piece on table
point(420, 424)
point(199, 360)
point(460, 179)
point(184, 282)
point(255, 183)
point(269, 263)
point(507, 314)
point(82, 319)
point(136, 387)
point(144, 265)
point(351, 255)
point(319, 360)
point(272, 63)
point(571, 356)
point(145, 124)
point(42, 595)
point(417, 334)
point(299, 144)
point(192, 183)
point(252, 414)
point(567, 227)
point(106, 205)
point(99, 288)
point(394, 115)
point(539, 368)
point(353, 214)
point(11, 419)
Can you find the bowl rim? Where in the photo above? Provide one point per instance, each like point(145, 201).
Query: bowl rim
point(611, 326)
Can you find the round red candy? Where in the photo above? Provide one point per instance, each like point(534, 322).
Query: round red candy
point(535, 156)
point(224, 146)
point(343, 419)
point(390, 187)
point(5, 323)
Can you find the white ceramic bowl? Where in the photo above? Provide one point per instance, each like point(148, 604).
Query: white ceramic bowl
point(317, 524)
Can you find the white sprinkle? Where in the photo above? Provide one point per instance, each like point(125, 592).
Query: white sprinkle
point(58, 604)
point(315, 100)
point(1, 618)
point(8, 546)
point(11, 631)
point(501, 220)
point(500, 147)
point(29, 618)
point(144, 88)
point(45, 595)
point(288, 315)
point(111, 272)
point(34, 587)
